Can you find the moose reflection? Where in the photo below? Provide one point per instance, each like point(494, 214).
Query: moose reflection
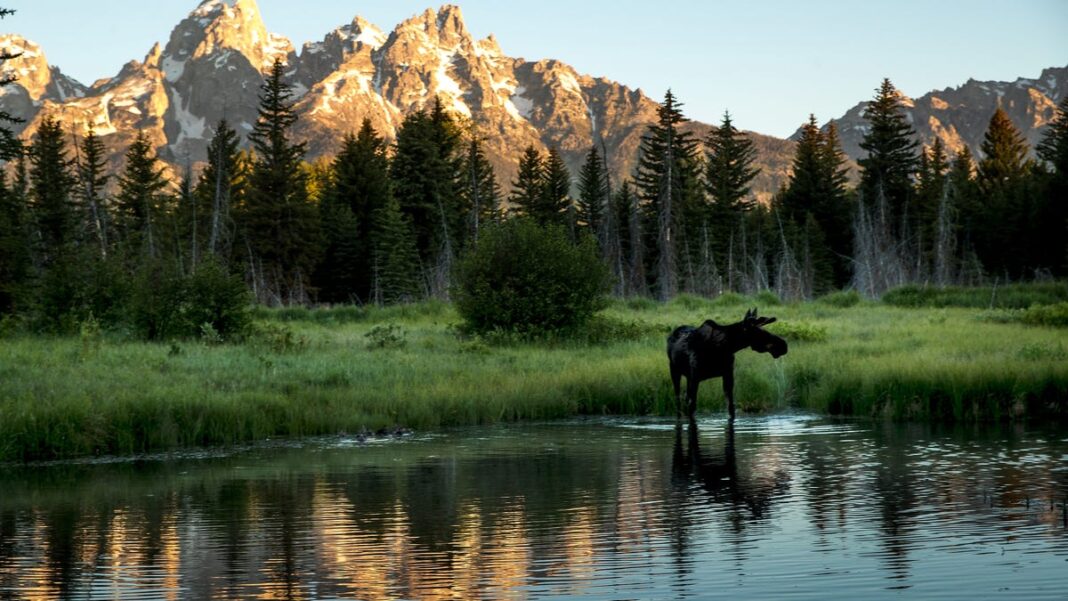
point(708, 352)
point(719, 476)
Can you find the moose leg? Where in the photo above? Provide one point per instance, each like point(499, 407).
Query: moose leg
point(676, 381)
point(691, 395)
point(728, 392)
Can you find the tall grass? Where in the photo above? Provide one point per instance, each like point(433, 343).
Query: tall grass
point(317, 372)
point(1012, 296)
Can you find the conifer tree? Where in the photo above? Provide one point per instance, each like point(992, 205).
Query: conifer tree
point(1053, 217)
point(93, 180)
point(592, 202)
point(358, 187)
point(395, 258)
point(51, 184)
point(892, 153)
point(1001, 232)
point(667, 179)
point(929, 197)
point(426, 173)
point(10, 145)
point(479, 189)
point(634, 243)
point(280, 224)
point(729, 172)
point(138, 204)
point(526, 189)
point(220, 188)
point(555, 206)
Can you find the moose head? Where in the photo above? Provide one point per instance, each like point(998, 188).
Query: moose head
point(759, 339)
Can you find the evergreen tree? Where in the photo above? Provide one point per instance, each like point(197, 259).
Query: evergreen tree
point(892, 153)
point(667, 180)
point(526, 189)
point(359, 186)
point(14, 253)
point(479, 189)
point(729, 172)
point(10, 145)
point(280, 224)
point(220, 188)
point(395, 258)
point(630, 219)
point(51, 184)
point(426, 173)
point(139, 201)
point(1053, 216)
point(555, 205)
point(1001, 233)
point(931, 181)
point(593, 194)
point(93, 180)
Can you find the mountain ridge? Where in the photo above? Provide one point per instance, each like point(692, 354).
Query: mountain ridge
point(215, 59)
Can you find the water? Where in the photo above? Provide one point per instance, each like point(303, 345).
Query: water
point(775, 508)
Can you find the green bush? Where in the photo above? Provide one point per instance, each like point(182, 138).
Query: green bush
point(1055, 316)
point(1012, 296)
point(523, 277)
point(209, 302)
point(842, 299)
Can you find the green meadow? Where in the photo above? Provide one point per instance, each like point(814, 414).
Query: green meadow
point(350, 370)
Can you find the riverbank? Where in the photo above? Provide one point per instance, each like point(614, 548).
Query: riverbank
point(351, 370)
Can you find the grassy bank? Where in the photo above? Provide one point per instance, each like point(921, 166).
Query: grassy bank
point(348, 370)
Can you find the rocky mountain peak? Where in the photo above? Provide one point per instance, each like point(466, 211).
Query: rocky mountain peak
point(36, 79)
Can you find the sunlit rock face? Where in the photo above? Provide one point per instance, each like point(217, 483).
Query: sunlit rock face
point(216, 58)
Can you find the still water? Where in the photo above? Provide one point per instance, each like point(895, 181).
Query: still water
point(773, 508)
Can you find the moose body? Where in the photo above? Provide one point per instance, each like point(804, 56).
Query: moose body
point(708, 352)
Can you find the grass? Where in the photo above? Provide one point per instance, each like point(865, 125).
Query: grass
point(346, 370)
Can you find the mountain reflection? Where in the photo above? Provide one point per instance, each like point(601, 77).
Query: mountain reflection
point(551, 510)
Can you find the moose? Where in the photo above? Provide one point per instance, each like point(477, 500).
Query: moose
point(708, 352)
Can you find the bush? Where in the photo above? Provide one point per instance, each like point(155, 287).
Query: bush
point(527, 278)
point(1012, 296)
point(1054, 316)
point(842, 299)
point(209, 302)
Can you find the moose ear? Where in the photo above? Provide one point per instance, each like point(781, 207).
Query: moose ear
point(750, 314)
point(766, 320)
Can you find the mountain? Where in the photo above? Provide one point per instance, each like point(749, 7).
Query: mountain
point(215, 60)
point(961, 115)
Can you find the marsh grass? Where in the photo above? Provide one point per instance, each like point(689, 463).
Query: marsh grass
point(309, 372)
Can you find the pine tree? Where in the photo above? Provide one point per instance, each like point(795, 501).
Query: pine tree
point(479, 189)
point(426, 173)
point(1001, 233)
point(14, 251)
point(10, 145)
point(592, 201)
point(51, 184)
point(667, 179)
point(138, 203)
point(1053, 216)
point(930, 193)
point(634, 243)
point(555, 204)
point(395, 258)
point(280, 224)
point(892, 153)
point(359, 186)
point(526, 189)
point(220, 188)
point(729, 172)
point(93, 180)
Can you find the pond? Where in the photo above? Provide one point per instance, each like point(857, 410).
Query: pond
point(775, 507)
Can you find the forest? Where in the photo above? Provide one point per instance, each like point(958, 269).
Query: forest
point(385, 222)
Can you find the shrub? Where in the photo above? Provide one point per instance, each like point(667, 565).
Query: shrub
point(389, 336)
point(524, 277)
point(167, 304)
point(842, 299)
point(1055, 316)
point(1012, 296)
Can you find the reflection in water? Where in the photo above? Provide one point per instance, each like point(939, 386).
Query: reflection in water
point(773, 507)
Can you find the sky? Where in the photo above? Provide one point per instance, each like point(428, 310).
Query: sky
point(769, 63)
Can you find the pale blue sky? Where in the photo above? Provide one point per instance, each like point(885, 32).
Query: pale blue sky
point(770, 63)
